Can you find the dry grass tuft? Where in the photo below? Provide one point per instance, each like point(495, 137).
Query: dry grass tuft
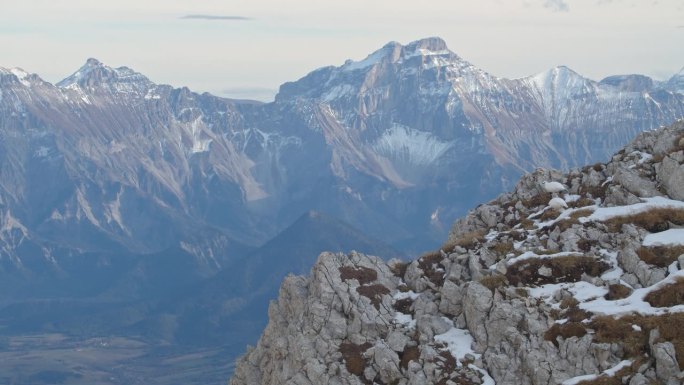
point(654, 220)
point(493, 282)
point(575, 314)
point(403, 306)
point(635, 342)
point(362, 274)
point(566, 330)
point(527, 224)
point(661, 256)
point(586, 244)
point(467, 241)
point(602, 380)
point(668, 296)
point(410, 353)
point(399, 269)
point(576, 215)
point(657, 158)
point(353, 357)
point(502, 248)
point(374, 293)
point(432, 266)
point(618, 291)
point(571, 310)
point(582, 202)
point(568, 302)
point(613, 380)
point(620, 330)
point(518, 235)
point(594, 191)
point(537, 200)
point(549, 214)
point(563, 269)
point(679, 143)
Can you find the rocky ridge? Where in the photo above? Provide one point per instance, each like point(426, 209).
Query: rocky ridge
point(522, 293)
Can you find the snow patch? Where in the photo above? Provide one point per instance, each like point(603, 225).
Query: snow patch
point(337, 92)
point(372, 59)
point(409, 294)
point(671, 237)
point(533, 255)
point(458, 342)
point(635, 302)
point(582, 291)
point(606, 213)
point(589, 377)
point(21, 75)
point(410, 145)
point(405, 320)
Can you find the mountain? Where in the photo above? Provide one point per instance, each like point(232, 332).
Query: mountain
point(522, 293)
point(118, 195)
point(676, 82)
point(397, 144)
point(172, 308)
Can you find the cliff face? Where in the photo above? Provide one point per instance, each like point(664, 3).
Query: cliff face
point(525, 291)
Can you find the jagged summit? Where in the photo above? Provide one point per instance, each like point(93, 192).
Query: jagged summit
point(94, 73)
point(676, 82)
point(629, 83)
point(17, 74)
point(558, 74)
point(395, 52)
point(433, 43)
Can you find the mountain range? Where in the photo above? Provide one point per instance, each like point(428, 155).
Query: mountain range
point(119, 193)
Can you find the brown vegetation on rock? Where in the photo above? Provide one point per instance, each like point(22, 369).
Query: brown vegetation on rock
point(467, 240)
point(618, 291)
point(562, 269)
point(431, 264)
point(538, 200)
point(374, 293)
point(360, 273)
point(635, 340)
point(410, 353)
point(492, 282)
point(668, 295)
point(566, 330)
point(353, 357)
point(661, 256)
point(654, 220)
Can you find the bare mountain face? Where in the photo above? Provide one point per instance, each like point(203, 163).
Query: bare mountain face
point(396, 144)
point(115, 188)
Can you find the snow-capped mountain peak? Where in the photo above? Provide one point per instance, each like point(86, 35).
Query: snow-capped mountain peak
point(95, 73)
point(676, 82)
point(394, 52)
point(20, 75)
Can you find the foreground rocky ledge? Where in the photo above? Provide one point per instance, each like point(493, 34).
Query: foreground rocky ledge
point(590, 291)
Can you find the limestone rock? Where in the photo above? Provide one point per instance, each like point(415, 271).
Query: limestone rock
point(508, 302)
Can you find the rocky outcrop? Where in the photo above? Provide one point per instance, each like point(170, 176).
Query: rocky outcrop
point(521, 293)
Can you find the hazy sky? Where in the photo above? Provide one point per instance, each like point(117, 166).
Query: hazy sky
point(248, 48)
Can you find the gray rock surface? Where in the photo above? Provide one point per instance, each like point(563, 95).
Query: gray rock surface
point(506, 301)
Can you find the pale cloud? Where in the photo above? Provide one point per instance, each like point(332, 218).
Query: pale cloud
point(214, 17)
point(557, 5)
